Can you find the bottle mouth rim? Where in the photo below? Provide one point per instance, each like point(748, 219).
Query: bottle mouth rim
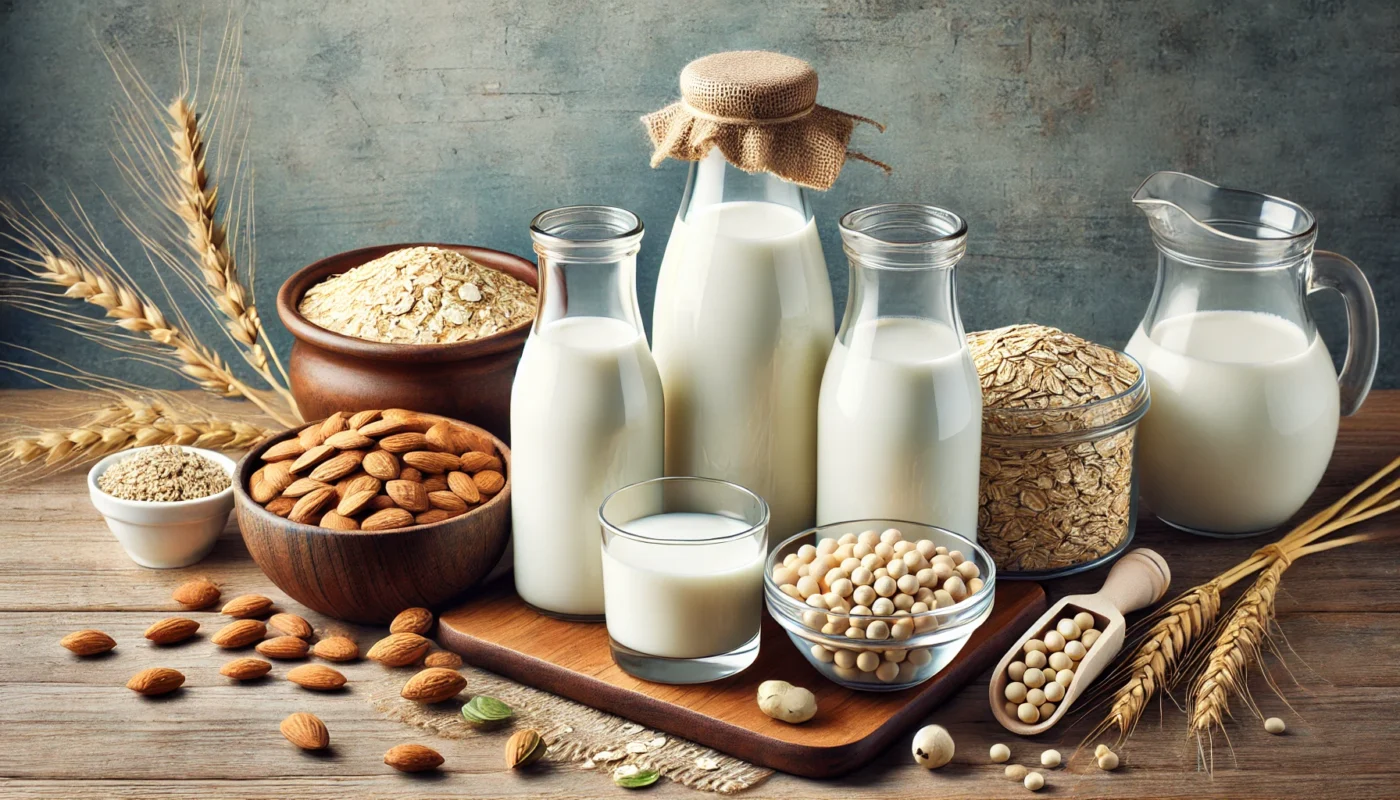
point(922, 226)
point(585, 225)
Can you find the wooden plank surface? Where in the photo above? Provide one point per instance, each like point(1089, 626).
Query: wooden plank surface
point(71, 730)
point(499, 632)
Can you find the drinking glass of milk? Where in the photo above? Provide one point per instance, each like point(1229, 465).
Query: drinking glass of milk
point(899, 430)
point(586, 407)
point(1245, 399)
point(683, 577)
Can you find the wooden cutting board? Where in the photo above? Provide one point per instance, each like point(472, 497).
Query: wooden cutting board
point(498, 632)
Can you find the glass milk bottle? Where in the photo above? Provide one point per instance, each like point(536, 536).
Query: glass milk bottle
point(741, 329)
point(1245, 400)
point(586, 405)
point(900, 416)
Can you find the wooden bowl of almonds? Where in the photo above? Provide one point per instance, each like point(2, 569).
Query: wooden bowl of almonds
point(434, 327)
point(364, 514)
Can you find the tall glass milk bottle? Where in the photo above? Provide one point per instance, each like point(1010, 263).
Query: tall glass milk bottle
point(741, 331)
point(586, 406)
point(900, 416)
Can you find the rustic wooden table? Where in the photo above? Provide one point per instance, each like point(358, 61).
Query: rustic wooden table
point(71, 729)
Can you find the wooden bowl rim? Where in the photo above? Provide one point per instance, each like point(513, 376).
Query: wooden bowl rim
point(244, 500)
point(304, 330)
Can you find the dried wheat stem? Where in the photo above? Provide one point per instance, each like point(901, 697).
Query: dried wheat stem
point(1238, 645)
point(196, 203)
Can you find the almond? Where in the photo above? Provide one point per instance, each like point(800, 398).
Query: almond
point(437, 483)
point(443, 437)
point(196, 594)
point(399, 649)
point(381, 502)
point(355, 502)
point(333, 424)
point(408, 495)
point(283, 450)
point(476, 462)
point(524, 748)
point(336, 648)
point(361, 419)
point(88, 642)
point(412, 419)
point(381, 464)
point(444, 659)
point(312, 457)
point(432, 516)
point(412, 620)
point(316, 677)
point(289, 625)
point(172, 630)
point(308, 509)
point(386, 520)
point(275, 477)
point(479, 442)
point(361, 483)
point(338, 522)
point(304, 486)
point(338, 467)
point(245, 669)
point(434, 685)
point(404, 442)
point(281, 506)
point(447, 501)
point(284, 648)
point(246, 606)
point(489, 481)
point(384, 427)
point(311, 436)
point(411, 474)
point(462, 485)
point(239, 634)
point(430, 462)
point(306, 731)
point(413, 758)
point(156, 680)
point(349, 440)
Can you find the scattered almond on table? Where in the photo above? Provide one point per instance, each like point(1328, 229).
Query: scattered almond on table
point(306, 731)
point(88, 642)
point(317, 678)
point(172, 630)
point(434, 685)
point(413, 758)
point(155, 681)
point(197, 594)
point(245, 669)
point(412, 620)
point(399, 649)
point(378, 471)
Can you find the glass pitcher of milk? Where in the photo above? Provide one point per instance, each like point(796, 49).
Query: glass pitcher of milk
point(1245, 399)
point(741, 329)
point(586, 405)
point(899, 432)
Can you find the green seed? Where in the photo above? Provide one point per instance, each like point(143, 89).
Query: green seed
point(485, 711)
point(637, 780)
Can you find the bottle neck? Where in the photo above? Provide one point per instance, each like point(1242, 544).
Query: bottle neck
point(713, 181)
point(587, 264)
point(902, 260)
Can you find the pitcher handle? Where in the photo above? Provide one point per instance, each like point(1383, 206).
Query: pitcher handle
point(1340, 274)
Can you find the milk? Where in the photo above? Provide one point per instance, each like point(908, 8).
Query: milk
point(900, 427)
point(741, 331)
point(684, 601)
point(1243, 419)
point(586, 419)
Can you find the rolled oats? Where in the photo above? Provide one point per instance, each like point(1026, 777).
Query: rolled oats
point(1058, 426)
point(420, 295)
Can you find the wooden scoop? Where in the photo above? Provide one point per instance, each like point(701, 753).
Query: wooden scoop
point(1138, 580)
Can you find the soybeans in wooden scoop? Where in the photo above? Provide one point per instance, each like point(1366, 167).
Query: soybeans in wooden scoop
point(1058, 665)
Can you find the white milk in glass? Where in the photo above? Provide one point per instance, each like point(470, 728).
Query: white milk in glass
point(741, 331)
point(1243, 419)
point(586, 420)
point(684, 601)
point(900, 427)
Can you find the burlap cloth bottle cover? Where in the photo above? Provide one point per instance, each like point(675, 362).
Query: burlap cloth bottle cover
point(760, 109)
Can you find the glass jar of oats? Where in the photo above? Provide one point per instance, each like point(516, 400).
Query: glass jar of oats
point(1058, 488)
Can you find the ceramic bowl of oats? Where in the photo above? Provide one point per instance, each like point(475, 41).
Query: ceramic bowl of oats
point(435, 327)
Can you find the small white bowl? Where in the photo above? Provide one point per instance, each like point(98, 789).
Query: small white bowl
point(164, 535)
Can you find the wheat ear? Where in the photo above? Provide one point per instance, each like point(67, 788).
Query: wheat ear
point(196, 203)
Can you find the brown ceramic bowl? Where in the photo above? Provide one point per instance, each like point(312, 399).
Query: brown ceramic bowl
point(370, 577)
point(469, 381)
